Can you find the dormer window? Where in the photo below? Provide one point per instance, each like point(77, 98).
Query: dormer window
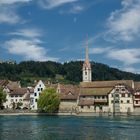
point(69, 93)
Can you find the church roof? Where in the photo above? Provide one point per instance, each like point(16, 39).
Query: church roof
point(101, 84)
point(95, 91)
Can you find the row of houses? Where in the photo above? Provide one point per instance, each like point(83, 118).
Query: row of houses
point(89, 96)
point(98, 96)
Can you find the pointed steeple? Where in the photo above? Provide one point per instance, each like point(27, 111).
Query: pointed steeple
point(87, 57)
point(87, 66)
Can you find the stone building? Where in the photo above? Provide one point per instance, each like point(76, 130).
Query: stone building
point(68, 97)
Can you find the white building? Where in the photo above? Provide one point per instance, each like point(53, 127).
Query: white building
point(121, 99)
point(14, 97)
point(34, 96)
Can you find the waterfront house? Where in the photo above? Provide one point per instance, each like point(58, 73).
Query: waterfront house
point(34, 96)
point(15, 97)
point(121, 97)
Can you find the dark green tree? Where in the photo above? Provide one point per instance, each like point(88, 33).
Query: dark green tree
point(2, 97)
point(49, 101)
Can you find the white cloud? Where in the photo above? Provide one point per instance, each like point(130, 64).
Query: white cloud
point(13, 1)
point(8, 15)
point(50, 4)
point(99, 50)
point(127, 56)
point(31, 33)
point(28, 49)
point(124, 24)
point(76, 9)
point(8, 11)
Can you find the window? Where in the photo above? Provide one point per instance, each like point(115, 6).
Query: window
point(16, 95)
point(20, 96)
point(112, 95)
point(121, 101)
point(38, 89)
point(116, 101)
point(41, 89)
point(40, 85)
point(112, 101)
point(35, 100)
point(88, 107)
point(32, 101)
point(129, 95)
point(117, 95)
point(123, 89)
point(94, 97)
point(117, 89)
point(85, 73)
point(35, 94)
point(12, 96)
point(16, 100)
point(136, 102)
point(103, 97)
point(128, 101)
point(123, 95)
point(81, 106)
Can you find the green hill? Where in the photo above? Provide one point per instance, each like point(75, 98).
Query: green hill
point(70, 72)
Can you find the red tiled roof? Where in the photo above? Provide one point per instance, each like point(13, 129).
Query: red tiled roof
point(19, 91)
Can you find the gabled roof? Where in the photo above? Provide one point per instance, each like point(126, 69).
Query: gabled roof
point(68, 92)
point(13, 85)
point(18, 91)
point(3, 83)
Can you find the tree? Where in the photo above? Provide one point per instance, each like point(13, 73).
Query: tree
point(49, 101)
point(2, 97)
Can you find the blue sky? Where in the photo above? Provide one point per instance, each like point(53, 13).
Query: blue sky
point(56, 30)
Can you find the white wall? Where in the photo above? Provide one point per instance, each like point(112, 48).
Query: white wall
point(35, 96)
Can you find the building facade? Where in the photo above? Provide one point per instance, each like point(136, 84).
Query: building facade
point(34, 96)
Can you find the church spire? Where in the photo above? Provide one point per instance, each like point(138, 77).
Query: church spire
point(87, 66)
point(87, 57)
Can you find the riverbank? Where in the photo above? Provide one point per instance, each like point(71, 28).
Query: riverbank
point(65, 114)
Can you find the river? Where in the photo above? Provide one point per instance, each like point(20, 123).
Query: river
point(69, 128)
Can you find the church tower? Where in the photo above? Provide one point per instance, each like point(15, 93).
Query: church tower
point(87, 68)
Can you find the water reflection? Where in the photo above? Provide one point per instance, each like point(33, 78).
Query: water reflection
point(69, 128)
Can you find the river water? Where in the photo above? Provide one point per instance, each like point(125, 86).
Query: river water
point(69, 128)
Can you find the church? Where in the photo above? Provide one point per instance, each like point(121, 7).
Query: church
point(117, 96)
